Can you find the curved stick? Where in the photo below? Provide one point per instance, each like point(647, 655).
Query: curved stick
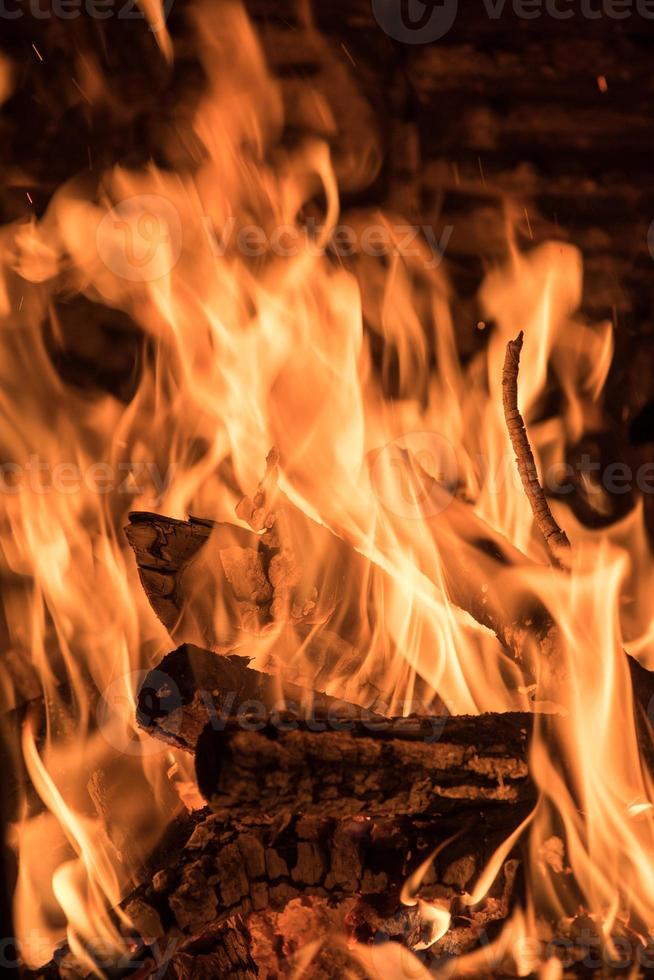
point(556, 540)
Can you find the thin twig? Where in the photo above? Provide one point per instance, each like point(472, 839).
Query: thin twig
point(555, 539)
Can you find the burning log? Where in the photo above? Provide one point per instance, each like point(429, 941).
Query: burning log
point(399, 767)
point(278, 883)
point(181, 575)
point(266, 881)
point(168, 555)
point(223, 949)
point(346, 874)
point(182, 569)
point(259, 865)
point(247, 581)
point(478, 572)
point(192, 687)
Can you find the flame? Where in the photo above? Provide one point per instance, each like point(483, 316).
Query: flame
point(258, 336)
point(432, 914)
point(608, 823)
point(86, 887)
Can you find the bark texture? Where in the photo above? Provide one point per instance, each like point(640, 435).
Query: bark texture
point(555, 539)
point(192, 687)
point(402, 767)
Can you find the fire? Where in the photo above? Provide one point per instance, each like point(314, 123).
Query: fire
point(83, 888)
point(256, 341)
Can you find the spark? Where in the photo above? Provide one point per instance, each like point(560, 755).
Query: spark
point(37, 52)
point(348, 54)
point(602, 83)
point(29, 197)
point(531, 234)
point(481, 171)
point(81, 91)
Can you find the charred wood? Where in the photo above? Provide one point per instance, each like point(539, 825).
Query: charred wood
point(259, 865)
point(397, 767)
point(223, 949)
point(479, 570)
point(181, 567)
point(302, 877)
point(193, 687)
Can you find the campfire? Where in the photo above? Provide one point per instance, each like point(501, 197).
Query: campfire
point(321, 656)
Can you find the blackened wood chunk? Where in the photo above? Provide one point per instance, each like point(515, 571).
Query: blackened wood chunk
point(222, 950)
point(353, 866)
point(399, 766)
point(193, 687)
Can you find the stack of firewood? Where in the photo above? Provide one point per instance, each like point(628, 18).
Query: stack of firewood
point(321, 804)
point(320, 810)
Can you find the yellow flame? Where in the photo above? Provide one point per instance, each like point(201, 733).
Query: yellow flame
point(252, 343)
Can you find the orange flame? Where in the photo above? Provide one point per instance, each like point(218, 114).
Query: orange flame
point(257, 338)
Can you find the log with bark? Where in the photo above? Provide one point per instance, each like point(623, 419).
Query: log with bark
point(305, 879)
point(480, 570)
point(229, 866)
point(192, 687)
point(222, 949)
point(300, 878)
point(388, 766)
point(285, 877)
